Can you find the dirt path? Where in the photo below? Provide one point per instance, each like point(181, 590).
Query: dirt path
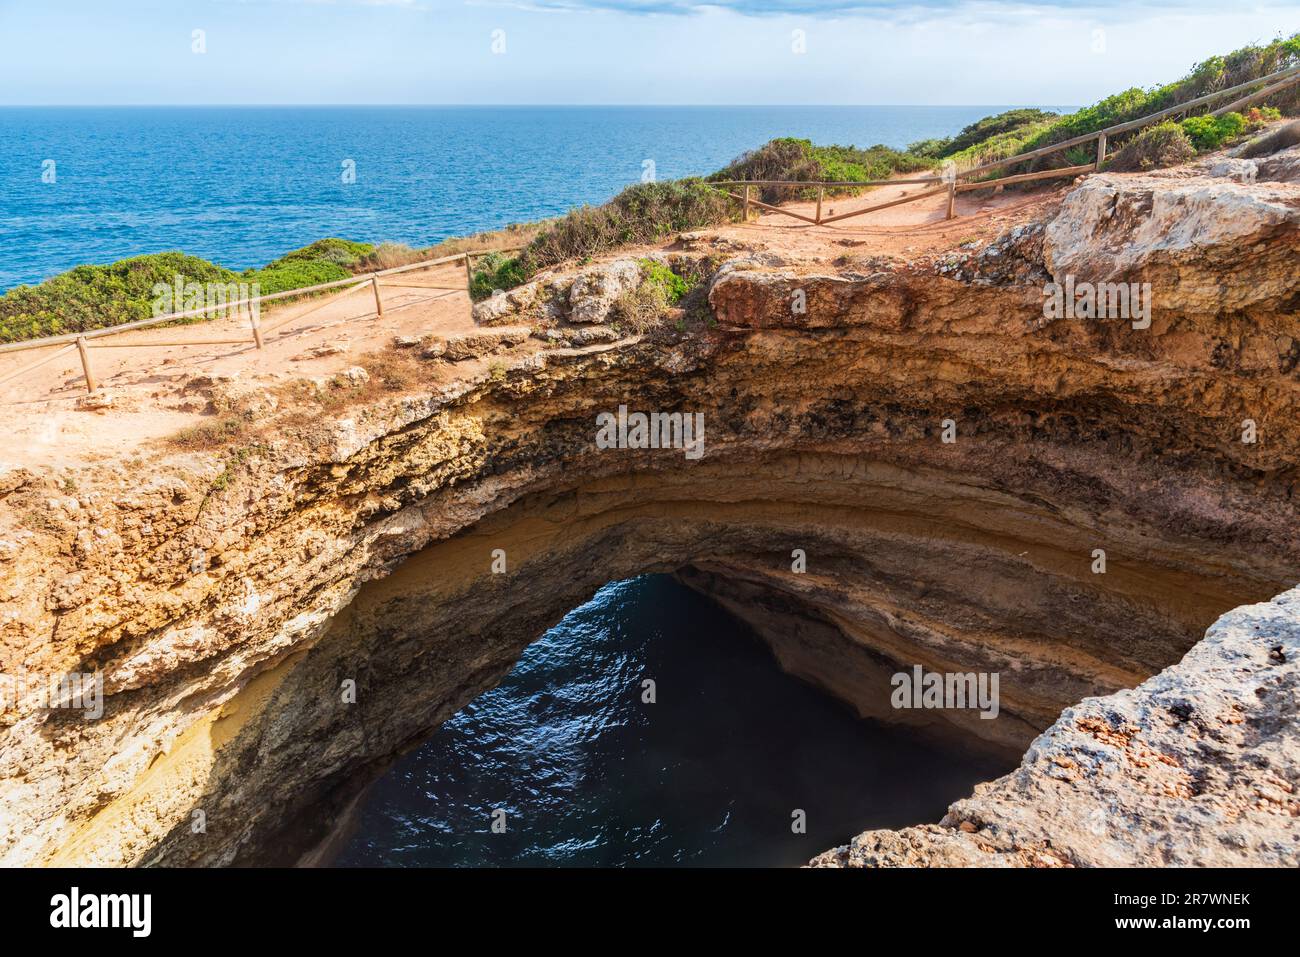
point(43, 425)
point(912, 229)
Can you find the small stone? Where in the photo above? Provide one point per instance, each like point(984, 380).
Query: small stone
point(354, 376)
point(96, 401)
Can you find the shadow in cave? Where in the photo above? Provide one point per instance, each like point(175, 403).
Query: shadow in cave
point(581, 769)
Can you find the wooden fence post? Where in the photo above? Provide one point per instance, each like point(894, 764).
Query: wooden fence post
point(821, 191)
point(85, 364)
point(1101, 150)
point(469, 276)
point(745, 213)
point(379, 305)
point(952, 198)
point(257, 326)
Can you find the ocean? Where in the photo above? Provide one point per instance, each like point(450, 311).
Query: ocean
point(579, 770)
point(243, 185)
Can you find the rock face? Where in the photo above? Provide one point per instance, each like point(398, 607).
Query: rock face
point(276, 622)
point(594, 292)
point(1196, 767)
point(1178, 235)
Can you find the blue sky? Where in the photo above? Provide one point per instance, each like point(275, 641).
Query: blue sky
point(611, 51)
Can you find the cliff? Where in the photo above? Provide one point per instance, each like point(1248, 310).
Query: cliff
point(347, 539)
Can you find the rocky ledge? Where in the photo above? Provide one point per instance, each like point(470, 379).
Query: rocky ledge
point(904, 463)
point(1196, 767)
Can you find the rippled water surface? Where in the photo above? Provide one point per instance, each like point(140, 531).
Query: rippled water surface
point(709, 774)
point(244, 185)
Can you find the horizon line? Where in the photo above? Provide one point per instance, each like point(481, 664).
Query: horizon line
point(221, 106)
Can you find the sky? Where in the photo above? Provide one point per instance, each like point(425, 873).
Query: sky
point(204, 52)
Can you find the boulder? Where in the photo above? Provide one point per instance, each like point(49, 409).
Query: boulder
point(594, 292)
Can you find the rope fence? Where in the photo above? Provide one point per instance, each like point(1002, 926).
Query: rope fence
point(84, 342)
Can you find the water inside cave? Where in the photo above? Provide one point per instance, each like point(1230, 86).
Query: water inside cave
point(574, 767)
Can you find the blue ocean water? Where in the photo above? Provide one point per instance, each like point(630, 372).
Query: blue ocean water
point(243, 185)
point(710, 774)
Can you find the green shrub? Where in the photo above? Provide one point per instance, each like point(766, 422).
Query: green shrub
point(1155, 147)
point(981, 131)
point(96, 297)
point(799, 160)
point(1210, 132)
point(294, 274)
point(673, 285)
point(931, 148)
point(342, 252)
point(92, 297)
point(495, 271)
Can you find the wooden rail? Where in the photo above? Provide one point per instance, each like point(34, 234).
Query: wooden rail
point(84, 342)
point(1273, 83)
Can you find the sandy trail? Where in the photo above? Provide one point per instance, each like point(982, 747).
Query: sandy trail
point(912, 229)
point(43, 425)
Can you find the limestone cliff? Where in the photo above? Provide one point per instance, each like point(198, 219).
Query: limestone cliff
point(228, 597)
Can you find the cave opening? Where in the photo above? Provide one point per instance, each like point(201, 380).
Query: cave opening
point(650, 726)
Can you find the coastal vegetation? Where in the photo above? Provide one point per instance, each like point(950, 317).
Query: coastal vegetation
point(92, 297)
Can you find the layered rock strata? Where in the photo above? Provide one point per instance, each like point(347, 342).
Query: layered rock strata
point(276, 623)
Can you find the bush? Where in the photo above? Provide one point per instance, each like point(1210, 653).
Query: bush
point(931, 148)
point(641, 309)
point(1211, 132)
point(1257, 117)
point(1012, 121)
point(96, 297)
point(673, 285)
point(93, 297)
point(341, 252)
point(294, 274)
point(644, 213)
point(495, 271)
point(797, 159)
point(1158, 146)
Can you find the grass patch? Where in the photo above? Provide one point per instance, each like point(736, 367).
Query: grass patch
point(208, 436)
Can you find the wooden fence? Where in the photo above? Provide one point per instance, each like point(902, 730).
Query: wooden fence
point(951, 184)
point(84, 342)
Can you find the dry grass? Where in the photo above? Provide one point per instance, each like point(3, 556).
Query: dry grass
point(209, 436)
point(511, 237)
point(642, 308)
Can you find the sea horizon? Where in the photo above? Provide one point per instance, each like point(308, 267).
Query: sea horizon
point(241, 185)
